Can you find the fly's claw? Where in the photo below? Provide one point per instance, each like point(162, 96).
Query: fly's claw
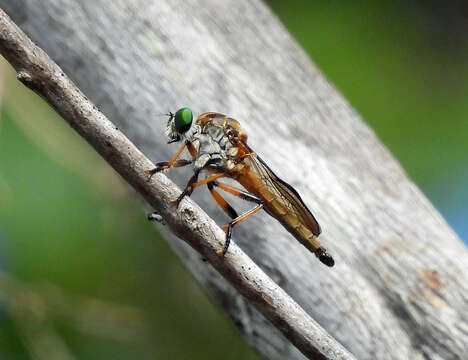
point(151, 172)
point(177, 201)
point(228, 230)
point(187, 192)
point(158, 168)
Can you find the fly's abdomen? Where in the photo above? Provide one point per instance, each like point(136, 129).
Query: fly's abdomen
point(279, 207)
point(295, 226)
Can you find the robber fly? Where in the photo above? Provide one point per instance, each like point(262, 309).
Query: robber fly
point(218, 146)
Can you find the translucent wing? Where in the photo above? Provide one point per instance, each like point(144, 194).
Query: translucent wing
point(284, 193)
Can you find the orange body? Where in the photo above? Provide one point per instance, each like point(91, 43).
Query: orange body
point(280, 203)
point(280, 200)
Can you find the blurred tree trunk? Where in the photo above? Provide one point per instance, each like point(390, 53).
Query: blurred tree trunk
point(400, 286)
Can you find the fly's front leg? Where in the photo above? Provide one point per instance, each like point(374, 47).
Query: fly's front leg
point(230, 211)
point(165, 165)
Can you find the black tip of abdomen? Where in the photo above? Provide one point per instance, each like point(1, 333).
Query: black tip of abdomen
point(324, 257)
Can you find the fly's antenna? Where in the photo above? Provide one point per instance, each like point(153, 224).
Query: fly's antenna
point(170, 114)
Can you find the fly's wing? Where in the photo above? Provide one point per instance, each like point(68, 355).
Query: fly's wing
point(285, 193)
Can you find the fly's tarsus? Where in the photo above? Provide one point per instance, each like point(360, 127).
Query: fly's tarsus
point(159, 167)
point(165, 165)
point(228, 228)
point(188, 189)
point(187, 192)
point(226, 243)
point(230, 211)
point(150, 172)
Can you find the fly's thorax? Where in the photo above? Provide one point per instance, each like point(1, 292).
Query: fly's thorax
point(217, 140)
point(220, 124)
point(208, 148)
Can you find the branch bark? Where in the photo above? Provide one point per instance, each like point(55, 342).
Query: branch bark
point(39, 73)
point(400, 286)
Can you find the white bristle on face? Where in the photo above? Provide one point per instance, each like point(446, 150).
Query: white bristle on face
point(170, 129)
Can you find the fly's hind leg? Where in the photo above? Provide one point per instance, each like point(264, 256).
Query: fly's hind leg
point(236, 219)
point(228, 209)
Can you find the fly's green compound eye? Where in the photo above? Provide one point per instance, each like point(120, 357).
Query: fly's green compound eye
point(183, 120)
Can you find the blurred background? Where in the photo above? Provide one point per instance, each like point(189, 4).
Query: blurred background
point(83, 275)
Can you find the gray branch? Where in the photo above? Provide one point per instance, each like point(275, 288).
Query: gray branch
point(38, 72)
point(399, 289)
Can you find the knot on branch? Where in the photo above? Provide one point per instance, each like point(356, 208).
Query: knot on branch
point(24, 77)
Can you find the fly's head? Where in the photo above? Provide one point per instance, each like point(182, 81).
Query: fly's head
point(178, 124)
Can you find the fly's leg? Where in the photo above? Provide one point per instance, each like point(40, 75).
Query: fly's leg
point(174, 162)
point(169, 164)
point(236, 219)
point(193, 183)
point(228, 209)
point(188, 189)
point(164, 165)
